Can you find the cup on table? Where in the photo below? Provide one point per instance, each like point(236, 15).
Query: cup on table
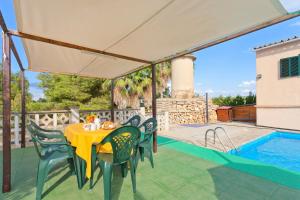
point(86, 127)
point(93, 127)
point(98, 126)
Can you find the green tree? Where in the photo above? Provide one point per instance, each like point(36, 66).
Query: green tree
point(251, 98)
point(223, 101)
point(15, 91)
point(234, 101)
point(238, 100)
point(64, 91)
point(130, 88)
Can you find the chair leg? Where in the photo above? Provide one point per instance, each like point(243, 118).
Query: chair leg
point(151, 158)
point(133, 176)
point(136, 161)
point(83, 170)
point(71, 165)
point(124, 169)
point(142, 153)
point(94, 159)
point(41, 177)
point(78, 171)
point(107, 172)
point(77, 168)
point(91, 180)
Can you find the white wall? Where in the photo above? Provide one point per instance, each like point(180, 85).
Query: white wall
point(286, 118)
point(278, 99)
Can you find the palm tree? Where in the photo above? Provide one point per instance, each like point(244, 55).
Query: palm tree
point(130, 88)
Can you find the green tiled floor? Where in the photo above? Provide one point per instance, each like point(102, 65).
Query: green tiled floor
point(181, 172)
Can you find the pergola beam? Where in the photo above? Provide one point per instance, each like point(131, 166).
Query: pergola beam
point(8, 44)
point(12, 45)
point(23, 108)
point(14, 50)
point(112, 112)
point(73, 46)
point(154, 105)
point(6, 61)
point(2, 23)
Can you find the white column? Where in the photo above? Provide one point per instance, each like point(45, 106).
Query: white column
point(54, 120)
point(37, 119)
point(74, 117)
point(166, 121)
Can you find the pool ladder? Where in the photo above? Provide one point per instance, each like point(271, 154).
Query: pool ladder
point(226, 143)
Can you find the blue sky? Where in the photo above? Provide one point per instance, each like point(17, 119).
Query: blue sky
point(225, 69)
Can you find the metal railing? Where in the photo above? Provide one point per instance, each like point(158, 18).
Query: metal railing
point(225, 142)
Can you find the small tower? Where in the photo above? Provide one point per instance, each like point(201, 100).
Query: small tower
point(183, 77)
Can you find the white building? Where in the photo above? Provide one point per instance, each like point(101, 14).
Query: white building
point(278, 84)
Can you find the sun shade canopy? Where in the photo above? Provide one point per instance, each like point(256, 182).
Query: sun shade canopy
point(148, 30)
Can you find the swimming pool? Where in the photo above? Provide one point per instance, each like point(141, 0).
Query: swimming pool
point(281, 149)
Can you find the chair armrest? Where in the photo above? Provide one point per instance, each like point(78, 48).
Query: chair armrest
point(56, 136)
point(43, 134)
point(61, 142)
point(124, 124)
point(54, 147)
point(52, 131)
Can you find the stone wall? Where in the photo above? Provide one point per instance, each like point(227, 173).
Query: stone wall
point(187, 111)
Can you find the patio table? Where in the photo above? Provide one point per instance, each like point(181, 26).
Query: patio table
point(83, 140)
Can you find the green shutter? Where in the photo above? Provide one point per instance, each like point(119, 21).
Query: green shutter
point(294, 66)
point(284, 68)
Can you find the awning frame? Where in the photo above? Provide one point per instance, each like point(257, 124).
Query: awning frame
point(146, 62)
point(8, 45)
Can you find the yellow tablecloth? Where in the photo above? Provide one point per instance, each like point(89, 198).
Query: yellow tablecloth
point(83, 140)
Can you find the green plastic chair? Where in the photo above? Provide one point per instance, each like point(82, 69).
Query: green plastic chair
point(124, 143)
point(50, 152)
point(133, 121)
point(149, 126)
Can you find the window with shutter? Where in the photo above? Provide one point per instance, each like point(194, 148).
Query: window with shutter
point(294, 66)
point(290, 67)
point(284, 68)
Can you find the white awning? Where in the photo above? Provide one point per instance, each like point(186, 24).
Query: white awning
point(146, 29)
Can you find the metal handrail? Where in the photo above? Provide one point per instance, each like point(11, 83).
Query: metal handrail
point(206, 133)
point(227, 137)
point(215, 135)
point(223, 145)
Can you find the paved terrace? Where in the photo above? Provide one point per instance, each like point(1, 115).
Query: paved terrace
point(182, 171)
point(239, 133)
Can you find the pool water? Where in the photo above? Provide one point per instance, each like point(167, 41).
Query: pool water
point(281, 149)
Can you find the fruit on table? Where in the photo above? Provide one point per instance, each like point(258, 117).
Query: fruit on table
point(108, 125)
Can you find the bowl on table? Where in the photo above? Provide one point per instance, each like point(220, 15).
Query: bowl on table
point(108, 125)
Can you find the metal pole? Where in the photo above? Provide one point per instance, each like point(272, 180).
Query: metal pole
point(6, 61)
point(112, 112)
point(206, 106)
point(154, 105)
point(23, 109)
